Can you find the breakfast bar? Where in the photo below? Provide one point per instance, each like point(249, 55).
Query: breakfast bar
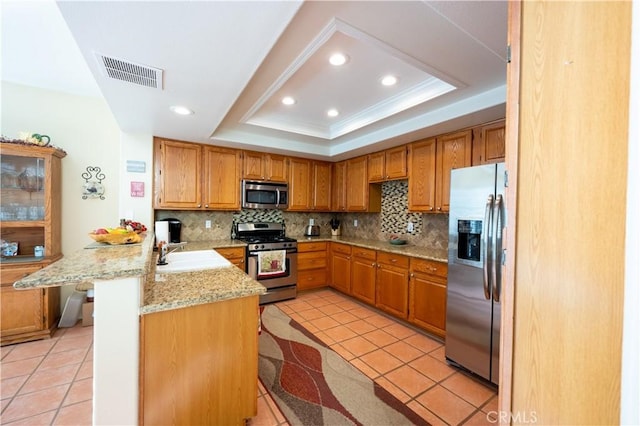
point(127, 291)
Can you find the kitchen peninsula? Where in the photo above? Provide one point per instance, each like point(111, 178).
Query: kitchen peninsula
point(149, 328)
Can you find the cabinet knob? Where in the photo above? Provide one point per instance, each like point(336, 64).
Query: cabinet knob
point(439, 208)
point(199, 205)
point(430, 209)
point(378, 266)
point(206, 205)
point(373, 264)
point(393, 260)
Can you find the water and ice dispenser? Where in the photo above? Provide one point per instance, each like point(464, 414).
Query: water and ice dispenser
point(469, 239)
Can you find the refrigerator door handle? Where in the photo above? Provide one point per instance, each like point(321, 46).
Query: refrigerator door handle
point(488, 255)
point(496, 269)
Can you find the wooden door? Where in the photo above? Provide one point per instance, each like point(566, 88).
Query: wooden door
point(357, 184)
point(22, 311)
point(363, 275)
point(453, 152)
point(375, 167)
point(422, 176)
point(321, 186)
point(338, 187)
point(253, 166)
point(395, 163)
point(428, 302)
point(222, 178)
point(277, 168)
point(341, 267)
point(300, 195)
point(177, 180)
point(568, 306)
point(392, 290)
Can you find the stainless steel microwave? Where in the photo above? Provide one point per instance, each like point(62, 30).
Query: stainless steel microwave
point(264, 195)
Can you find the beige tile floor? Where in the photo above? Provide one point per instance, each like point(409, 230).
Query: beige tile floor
point(48, 382)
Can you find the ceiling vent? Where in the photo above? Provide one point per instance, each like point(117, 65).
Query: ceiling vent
point(120, 69)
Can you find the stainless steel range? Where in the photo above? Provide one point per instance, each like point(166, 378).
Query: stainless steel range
point(272, 259)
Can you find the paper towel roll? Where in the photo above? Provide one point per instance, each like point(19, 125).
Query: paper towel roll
point(162, 231)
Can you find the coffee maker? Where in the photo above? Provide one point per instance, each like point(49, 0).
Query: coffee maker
point(175, 229)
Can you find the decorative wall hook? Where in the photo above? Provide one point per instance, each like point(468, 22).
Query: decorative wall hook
point(93, 187)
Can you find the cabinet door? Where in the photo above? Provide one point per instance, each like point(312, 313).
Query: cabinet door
point(300, 184)
point(253, 166)
point(338, 187)
point(375, 166)
point(363, 279)
point(357, 184)
point(321, 186)
point(395, 163)
point(494, 143)
point(453, 152)
point(22, 311)
point(222, 178)
point(341, 267)
point(422, 176)
point(234, 255)
point(392, 290)
point(277, 168)
point(177, 175)
point(428, 296)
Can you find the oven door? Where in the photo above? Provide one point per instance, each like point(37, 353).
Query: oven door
point(290, 276)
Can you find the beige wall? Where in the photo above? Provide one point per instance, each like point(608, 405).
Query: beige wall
point(86, 130)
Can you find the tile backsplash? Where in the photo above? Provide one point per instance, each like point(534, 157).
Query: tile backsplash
point(429, 230)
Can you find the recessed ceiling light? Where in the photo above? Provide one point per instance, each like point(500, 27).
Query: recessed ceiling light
point(288, 100)
point(389, 80)
point(181, 110)
point(332, 112)
point(338, 59)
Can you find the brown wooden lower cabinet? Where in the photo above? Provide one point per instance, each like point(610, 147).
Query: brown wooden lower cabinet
point(363, 274)
point(428, 295)
point(341, 267)
point(199, 365)
point(312, 265)
point(234, 255)
point(392, 284)
point(27, 314)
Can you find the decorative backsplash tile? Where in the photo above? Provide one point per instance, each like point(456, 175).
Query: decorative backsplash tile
point(430, 230)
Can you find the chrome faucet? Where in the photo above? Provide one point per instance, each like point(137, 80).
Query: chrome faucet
point(163, 250)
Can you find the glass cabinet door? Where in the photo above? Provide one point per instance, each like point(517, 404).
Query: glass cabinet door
point(22, 184)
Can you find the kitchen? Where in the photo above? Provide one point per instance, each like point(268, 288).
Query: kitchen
point(95, 124)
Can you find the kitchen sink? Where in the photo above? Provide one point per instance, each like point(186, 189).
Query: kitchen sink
point(184, 261)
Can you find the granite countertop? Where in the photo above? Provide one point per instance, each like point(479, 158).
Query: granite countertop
point(438, 255)
point(85, 266)
point(161, 291)
point(179, 290)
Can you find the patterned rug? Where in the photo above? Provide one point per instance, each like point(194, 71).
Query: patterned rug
point(313, 385)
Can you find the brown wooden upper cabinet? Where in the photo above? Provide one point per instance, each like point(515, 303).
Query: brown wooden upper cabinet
point(309, 185)
point(360, 196)
point(488, 143)
point(261, 166)
point(190, 176)
point(388, 165)
point(430, 165)
point(338, 187)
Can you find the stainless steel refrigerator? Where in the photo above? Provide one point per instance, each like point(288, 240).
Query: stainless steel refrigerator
point(476, 224)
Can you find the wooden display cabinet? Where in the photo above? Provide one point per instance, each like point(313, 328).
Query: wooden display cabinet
point(30, 215)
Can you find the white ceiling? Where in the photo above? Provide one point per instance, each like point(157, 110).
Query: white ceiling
point(231, 62)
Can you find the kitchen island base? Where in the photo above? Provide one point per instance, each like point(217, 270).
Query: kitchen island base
point(199, 365)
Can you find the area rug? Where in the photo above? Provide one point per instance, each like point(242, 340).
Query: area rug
point(313, 385)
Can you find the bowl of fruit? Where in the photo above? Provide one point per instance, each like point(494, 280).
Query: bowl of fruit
point(116, 236)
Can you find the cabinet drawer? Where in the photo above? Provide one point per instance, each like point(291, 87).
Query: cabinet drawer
point(393, 259)
point(12, 274)
point(341, 248)
point(364, 253)
point(312, 279)
point(429, 267)
point(231, 252)
point(312, 260)
point(305, 247)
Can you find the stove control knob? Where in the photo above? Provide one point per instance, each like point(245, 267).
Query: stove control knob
point(256, 247)
point(261, 246)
